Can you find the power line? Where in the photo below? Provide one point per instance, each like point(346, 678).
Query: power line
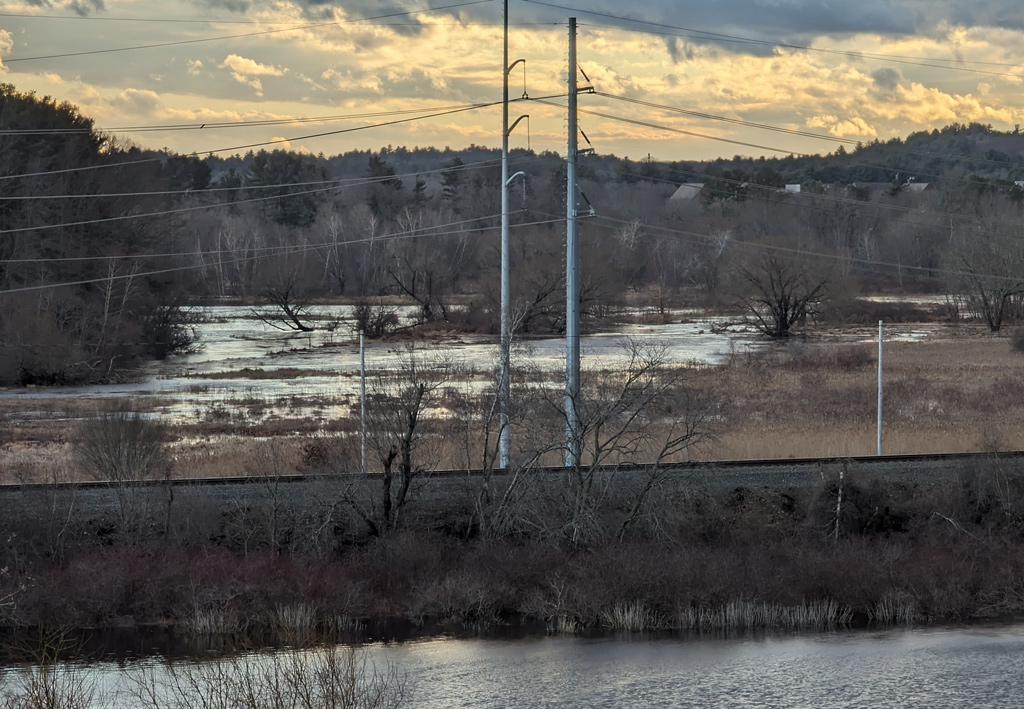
point(341, 183)
point(216, 205)
point(287, 250)
point(789, 131)
point(237, 36)
point(762, 191)
point(658, 126)
point(210, 125)
point(717, 36)
point(278, 141)
point(212, 21)
point(757, 247)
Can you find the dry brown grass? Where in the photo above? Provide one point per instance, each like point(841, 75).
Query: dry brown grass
point(943, 395)
point(961, 389)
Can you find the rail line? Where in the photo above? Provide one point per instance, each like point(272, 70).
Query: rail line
point(864, 464)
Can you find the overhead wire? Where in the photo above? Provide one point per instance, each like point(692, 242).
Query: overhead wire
point(340, 183)
point(276, 141)
point(790, 131)
point(216, 205)
point(721, 37)
point(198, 40)
point(211, 125)
point(419, 232)
point(774, 248)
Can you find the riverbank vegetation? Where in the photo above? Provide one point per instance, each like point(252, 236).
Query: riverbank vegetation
point(847, 550)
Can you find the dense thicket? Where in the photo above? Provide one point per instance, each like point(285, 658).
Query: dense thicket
point(80, 297)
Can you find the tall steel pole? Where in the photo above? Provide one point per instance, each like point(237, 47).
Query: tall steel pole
point(573, 442)
point(504, 388)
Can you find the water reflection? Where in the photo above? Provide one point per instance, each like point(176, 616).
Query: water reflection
point(894, 668)
point(903, 668)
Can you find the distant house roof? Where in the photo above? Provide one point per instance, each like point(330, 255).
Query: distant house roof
point(917, 186)
point(687, 191)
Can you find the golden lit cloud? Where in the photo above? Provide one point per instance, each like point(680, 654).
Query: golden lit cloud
point(938, 71)
point(6, 44)
point(247, 71)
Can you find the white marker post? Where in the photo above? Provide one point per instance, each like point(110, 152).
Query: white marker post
point(879, 387)
point(362, 401)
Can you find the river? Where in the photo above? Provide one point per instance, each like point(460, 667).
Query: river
point(977, 666)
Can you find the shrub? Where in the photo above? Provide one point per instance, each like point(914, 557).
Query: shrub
point(1017, 340)
point(375, 321)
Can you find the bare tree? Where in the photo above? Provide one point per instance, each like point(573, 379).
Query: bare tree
point(399, 434)
point(779, 292)
point(642, 413)
point(287, 295)
point(990, 277)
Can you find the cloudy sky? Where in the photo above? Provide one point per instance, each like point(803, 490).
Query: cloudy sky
point(840, 69)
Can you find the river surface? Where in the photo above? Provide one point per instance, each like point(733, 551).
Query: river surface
point(948, 667)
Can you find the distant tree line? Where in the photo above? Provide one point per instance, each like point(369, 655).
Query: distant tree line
point(87, 292)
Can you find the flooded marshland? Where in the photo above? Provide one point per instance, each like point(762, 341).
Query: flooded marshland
point(246, 364)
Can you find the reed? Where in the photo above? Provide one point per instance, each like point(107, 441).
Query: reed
point(750, 615)
point(895, 609)
point(294, 624)
point(205, 622)
point(633, 616)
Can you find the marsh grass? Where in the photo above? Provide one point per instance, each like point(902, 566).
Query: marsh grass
point(898, 608)
point(748, 615)
point(633, 616)
point(205, 623)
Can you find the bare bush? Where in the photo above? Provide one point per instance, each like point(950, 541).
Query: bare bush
point(121, 448)
point(47, 682)
point(320, 678)
point(375, 320)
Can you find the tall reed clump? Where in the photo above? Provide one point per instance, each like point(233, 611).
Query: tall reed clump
point(206, 622)
point(633, 616)
point(895, 609)
point(331, 677)
point(747, 615)
point(294, 623)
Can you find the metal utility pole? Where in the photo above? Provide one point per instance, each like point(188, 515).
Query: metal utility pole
point(504, 386)
point(573, 450)
point(879, 387)
point(504, 377)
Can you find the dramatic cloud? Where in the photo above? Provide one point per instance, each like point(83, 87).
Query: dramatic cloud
point(84, 7)
point(230, 5)
point(6, 44)
point(855, 127)
point(246, 71)
point(886, 67)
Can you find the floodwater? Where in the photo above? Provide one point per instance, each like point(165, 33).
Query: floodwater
point(198, 386)
point(947, 667)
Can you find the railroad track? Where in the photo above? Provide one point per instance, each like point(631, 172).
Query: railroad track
point(773, 470)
